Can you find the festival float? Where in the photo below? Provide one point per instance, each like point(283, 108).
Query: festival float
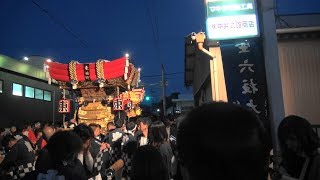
point(103, 89)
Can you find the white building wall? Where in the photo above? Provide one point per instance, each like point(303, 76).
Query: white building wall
point(300, 75)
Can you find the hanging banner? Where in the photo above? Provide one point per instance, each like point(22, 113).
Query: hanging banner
point(244, 70)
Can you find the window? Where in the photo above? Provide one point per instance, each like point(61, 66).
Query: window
point(47, 95)
point(39, 94)
point(17, 89)
point(1, 86)
point(29, 92)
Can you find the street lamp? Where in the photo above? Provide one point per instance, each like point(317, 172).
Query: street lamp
point(49, 60)
point(25, 58)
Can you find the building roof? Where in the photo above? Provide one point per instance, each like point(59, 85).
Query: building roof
point(14, 65)
point(297, 32)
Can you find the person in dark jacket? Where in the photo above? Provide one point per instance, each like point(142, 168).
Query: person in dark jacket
point(148, 164)
point(59, 159)
point(85, 156)
point(129, 147)
point(97, 147)
point(158, 137)
point(114, 138)
point(300, 148)
point(143, 127)
point(222, 141)
point(20, 157)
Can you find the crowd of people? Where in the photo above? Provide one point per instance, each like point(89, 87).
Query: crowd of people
point(218, 141)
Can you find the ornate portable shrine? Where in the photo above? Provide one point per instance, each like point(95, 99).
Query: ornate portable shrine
point(102, 88)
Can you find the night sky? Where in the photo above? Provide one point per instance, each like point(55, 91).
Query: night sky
point(151, 31)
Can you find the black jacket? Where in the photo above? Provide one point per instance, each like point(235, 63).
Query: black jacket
point(20, 154)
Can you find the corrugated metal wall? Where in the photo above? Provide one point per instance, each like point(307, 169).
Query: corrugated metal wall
point(300, 75)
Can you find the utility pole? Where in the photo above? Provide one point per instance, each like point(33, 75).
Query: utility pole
point(163, 90)
point(64, 115)
point(272, 72)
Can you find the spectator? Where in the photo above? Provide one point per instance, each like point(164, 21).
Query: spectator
point(222, 141)
point(30, 134)
point(110, 126)
point(115, 140)
point(86, 134)
point(158, 137)
point(41, 143)
point(22, 133)
point(61, 153)
point(144, 124)
point(99, 149)
point(128, 149)
point(37, 126)
point(117, 133)
point(20, 159)
point(175, 168)
point(299, 145)
point(48, 131)
point(100, 136)
point(13, 130)
point(147, 164)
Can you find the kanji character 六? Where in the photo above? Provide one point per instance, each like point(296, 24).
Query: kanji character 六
point(246, 65)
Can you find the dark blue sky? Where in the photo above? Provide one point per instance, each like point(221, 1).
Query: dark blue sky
point(151, 31)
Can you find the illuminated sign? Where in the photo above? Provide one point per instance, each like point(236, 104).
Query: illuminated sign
point(231, 19)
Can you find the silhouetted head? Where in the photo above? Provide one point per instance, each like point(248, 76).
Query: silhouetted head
point(8, 141)
point(157, 133)
point(297, 136)
point(95, 128)
point(223, 141)
point(144, 123)
point(118, 122)
point(64, 147)
point(85, 133)
point(147, 164)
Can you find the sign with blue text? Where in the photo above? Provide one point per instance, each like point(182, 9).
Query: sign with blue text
point(231, 19)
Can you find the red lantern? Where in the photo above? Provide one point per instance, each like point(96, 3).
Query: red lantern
point(128, 103)
point(64, 106)
point(118, 104)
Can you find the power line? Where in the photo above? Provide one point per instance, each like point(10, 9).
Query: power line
point(159, 75)
point(153, 27)
point(53, 19)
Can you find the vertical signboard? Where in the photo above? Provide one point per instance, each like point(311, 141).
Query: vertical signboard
point(231, 19)
point(245, 77)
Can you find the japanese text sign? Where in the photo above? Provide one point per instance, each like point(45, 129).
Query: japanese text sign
point(64, 106)
point(245, 77)
point(231, 19)
point(118, 104)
